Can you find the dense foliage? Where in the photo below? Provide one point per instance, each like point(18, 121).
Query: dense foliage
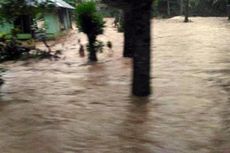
point(91, 23)
point(11, 9)
point(208, 7)
point(13, 49)
point(196, 7)
point(88, 19)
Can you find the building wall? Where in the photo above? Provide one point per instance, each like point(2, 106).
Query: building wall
point(68, 16)
point(53, 20)
point(64, 16)
point(52, 23)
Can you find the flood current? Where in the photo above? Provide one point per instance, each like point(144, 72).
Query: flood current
point(69, 106)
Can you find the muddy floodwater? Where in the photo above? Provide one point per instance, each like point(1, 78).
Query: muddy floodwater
point(68, 106)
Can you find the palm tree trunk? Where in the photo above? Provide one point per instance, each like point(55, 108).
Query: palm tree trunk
point(141, 44)
point(128, 35)
point(186, 11)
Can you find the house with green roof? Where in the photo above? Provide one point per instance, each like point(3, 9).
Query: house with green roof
point(55, 20)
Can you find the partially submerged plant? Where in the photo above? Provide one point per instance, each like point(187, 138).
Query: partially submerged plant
point(1, 80)
point(13, 49)
point(91, 23)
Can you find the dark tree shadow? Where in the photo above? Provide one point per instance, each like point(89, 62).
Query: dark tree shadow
point(223, 142)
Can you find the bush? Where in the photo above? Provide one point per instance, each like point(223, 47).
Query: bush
point(12, 49)
point(91, 23)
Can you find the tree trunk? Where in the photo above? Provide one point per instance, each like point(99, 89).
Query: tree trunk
point(186, 11)
point(92, 51)
point(128, 34)
point(141, 44)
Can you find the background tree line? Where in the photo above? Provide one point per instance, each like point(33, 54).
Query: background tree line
point(167, 8)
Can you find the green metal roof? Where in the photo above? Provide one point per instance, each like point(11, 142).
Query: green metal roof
point(57, 3)
point(61, 3)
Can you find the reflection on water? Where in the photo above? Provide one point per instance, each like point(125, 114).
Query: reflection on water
point(72, 107)
point(133, 129)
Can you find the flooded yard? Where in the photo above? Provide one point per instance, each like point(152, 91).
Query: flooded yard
point(68, 106)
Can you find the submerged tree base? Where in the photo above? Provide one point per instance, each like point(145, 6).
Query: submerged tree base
point(1, 80)
point(187, 21)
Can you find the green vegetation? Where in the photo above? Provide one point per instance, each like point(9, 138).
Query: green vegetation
point(10, 11)
point(12, 49)
point(91, 23)
point(168, 8)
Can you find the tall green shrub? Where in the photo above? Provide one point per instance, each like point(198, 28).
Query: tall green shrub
point(90, 22)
